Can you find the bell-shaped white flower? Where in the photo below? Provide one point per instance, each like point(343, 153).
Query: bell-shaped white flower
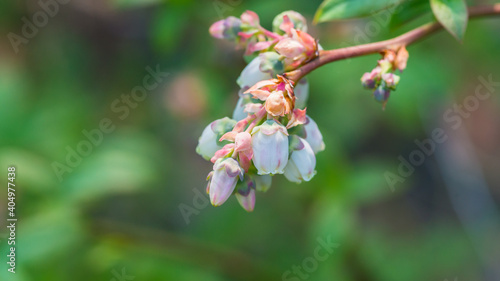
point(262, 183)
point(253, 73)
point(301, 91)
point(239, 113)
point(313, 135)
point(225, 175)
point(209, 143)
point(270, 148)
point(301, 163)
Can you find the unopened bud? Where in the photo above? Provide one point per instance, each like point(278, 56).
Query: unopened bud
point(381, 94)
point(297, 21)
point(402, 58)
point(391, 80)
point(276, 104)
point(250, 18)
point(226, 29)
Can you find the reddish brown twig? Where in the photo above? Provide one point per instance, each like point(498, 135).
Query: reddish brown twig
point(377, 47)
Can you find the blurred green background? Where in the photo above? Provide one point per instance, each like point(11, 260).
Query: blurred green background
point(119, 209)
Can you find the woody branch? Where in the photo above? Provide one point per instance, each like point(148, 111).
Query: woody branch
point(405, 39)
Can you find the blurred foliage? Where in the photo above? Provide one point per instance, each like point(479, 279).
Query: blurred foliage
point(452, 14)
point(340, 9)
point(119, 208)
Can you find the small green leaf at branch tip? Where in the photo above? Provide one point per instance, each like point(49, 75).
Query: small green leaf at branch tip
point(346, 9)
point(453, 15)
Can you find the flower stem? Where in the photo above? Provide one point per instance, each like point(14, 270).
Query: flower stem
point(270, 34)
point(258, 117)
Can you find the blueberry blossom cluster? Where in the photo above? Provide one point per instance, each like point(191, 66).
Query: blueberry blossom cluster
point(269, 132)
point(382, 79)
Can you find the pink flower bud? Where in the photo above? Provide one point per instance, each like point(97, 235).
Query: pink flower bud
point(313, 136)
point(223, 181)
point(368, 81)
point(290, 48)
point(276, 104)
point(391, 80)
point(389, 55)
point(250, 18)
point(217, 29)
point(270, 148)
point(301, 164)
point(376, 72)
point(371, 80)
point(402, 58)
point(298, 49)
point(226, 29)
point(307, 41)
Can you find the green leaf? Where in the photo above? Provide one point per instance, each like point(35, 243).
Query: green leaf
point(452, 14)
point(409, 11)
point(344, 9)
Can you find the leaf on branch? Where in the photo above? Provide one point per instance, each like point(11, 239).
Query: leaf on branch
point(453, 15)
point(409, 11)
point(345, 9)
